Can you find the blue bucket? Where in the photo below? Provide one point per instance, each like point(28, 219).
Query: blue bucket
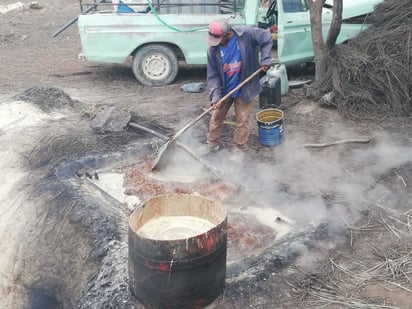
point(270, 126)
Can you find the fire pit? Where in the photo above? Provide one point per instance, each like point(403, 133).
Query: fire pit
point(250, 229)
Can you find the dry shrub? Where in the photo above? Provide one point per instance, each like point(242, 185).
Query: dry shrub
point(371, 76)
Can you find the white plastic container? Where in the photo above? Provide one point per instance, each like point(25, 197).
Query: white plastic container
point(279, 70)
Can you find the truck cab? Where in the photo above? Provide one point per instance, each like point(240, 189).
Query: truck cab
point(159, 34)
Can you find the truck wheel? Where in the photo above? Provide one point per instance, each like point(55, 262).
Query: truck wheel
point(155, 65)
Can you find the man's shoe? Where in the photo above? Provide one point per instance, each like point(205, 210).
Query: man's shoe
point(208, 148)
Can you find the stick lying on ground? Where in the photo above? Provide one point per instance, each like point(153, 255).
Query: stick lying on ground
point(344, 141)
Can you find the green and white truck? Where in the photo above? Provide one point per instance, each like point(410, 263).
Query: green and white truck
point(160, 34)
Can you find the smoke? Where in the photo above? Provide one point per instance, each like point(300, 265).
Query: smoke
point(294, 188)
point(312, 186)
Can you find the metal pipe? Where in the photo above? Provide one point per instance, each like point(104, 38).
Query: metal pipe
point(74, 19)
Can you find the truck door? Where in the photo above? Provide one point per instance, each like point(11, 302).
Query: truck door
point(294, 33)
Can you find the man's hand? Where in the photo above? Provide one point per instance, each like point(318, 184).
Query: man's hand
point(265, 67)
point(217, 104)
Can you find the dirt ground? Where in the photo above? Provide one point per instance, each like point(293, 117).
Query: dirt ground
point(55, 244)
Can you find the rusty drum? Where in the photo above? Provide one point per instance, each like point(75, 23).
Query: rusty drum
point(177, 251)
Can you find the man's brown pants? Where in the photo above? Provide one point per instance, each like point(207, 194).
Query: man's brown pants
point(242, 113)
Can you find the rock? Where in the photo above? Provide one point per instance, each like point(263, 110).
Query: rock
point(327, 99)
point(110, 119)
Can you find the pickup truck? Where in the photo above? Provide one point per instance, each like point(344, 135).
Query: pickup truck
point(160, 34)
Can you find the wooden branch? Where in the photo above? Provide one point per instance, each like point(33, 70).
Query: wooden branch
point(344, 141)
point(335, 26)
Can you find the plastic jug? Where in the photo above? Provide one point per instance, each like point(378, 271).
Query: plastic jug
point(279, 70)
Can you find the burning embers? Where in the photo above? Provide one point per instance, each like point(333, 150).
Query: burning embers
point(247, 236)
point(140, 181)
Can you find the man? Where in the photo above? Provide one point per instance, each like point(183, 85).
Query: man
point(233, 55)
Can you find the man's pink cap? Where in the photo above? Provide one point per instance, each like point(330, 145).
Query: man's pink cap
point(217, 30)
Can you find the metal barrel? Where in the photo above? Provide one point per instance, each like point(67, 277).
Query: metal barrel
point(178, 273)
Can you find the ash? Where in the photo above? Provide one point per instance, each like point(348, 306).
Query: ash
point(109, 288)
point(47, 98)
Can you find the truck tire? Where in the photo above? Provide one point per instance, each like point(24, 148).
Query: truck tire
point(155, 65)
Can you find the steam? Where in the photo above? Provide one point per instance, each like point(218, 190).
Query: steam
point(311, 186)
